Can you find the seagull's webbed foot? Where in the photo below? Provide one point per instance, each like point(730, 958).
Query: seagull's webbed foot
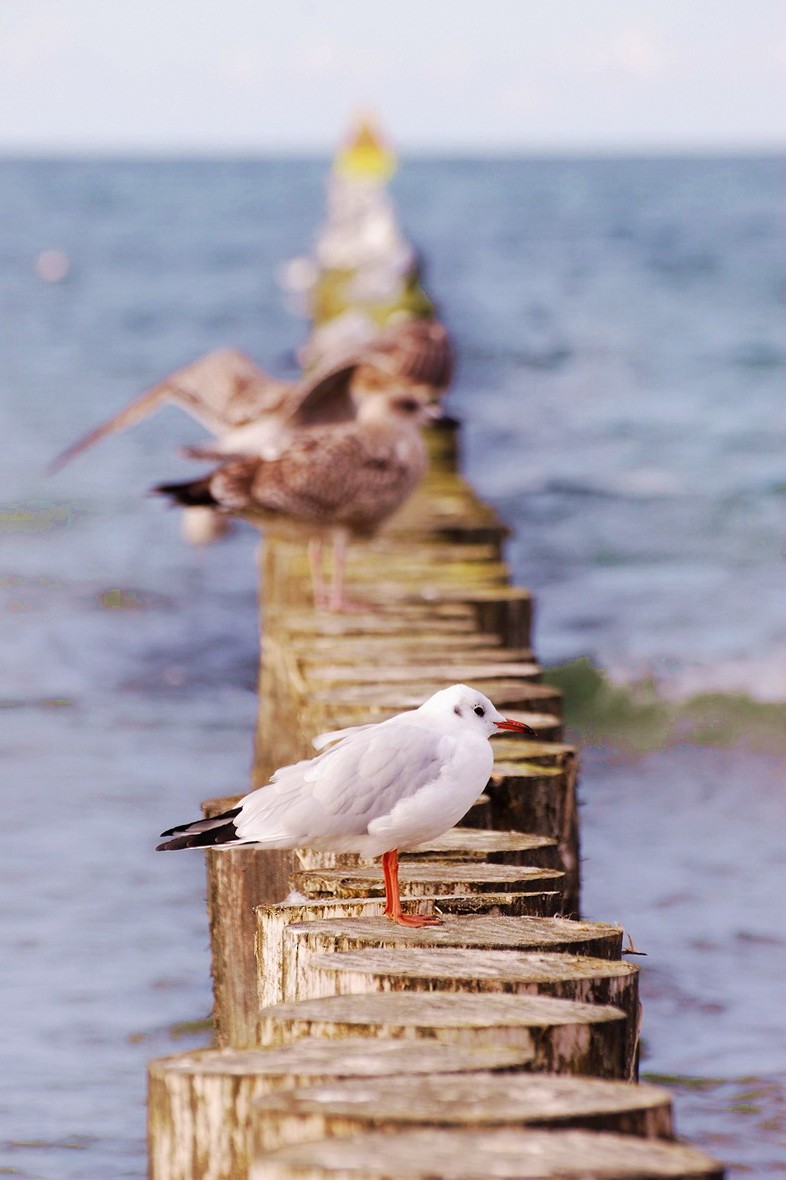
point(393, 908)
point(414, 920)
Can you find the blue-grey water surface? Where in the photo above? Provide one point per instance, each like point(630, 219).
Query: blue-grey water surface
point(621, 329)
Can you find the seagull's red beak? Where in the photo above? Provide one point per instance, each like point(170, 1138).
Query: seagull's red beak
point(516, 726)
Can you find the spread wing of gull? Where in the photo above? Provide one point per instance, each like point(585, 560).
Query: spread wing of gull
point(419, 351)
point(344, 791)
point(321, 397)
point(416, 352)
point(222, 390)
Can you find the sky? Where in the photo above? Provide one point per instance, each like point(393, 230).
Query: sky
point(515, 76)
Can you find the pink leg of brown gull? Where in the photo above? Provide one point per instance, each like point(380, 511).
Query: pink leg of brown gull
point(337, 602)
point(317, 579)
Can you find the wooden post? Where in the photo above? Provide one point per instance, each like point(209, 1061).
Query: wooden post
point(393, 969)
point(565, 1036)
point(530, 797)
point(238, 881)
point(459, 844)
point(479, 1102)
point(507, 1155)
point(429, 878)
point(277, 962)
point(200, 1105)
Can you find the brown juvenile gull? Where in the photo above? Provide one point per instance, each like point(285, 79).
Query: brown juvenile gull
point(244, 408)
point(343, 479)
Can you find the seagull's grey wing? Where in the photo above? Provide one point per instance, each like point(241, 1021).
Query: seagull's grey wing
point(274, 814)
point(342, 791)
point(221, 390)
point(146, 403)
point(363, 777)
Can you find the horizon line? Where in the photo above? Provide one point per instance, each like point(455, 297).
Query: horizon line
point(306, 154)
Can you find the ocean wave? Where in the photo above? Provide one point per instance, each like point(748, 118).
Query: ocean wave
point(688, 708)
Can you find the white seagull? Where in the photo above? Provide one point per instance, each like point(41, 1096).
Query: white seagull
point(378, 788)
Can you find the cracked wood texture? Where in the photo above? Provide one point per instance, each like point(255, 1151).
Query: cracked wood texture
point(286, 941)
point(478, 1101)
point(278, 965)
point(444, 969)
point(429, 877)
point(564, 1036)
point(201, 1104)
point(435, 1154)
point(311, 931)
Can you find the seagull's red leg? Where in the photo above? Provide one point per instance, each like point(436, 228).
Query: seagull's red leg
point(393, 908)
point(389, 886)
point(315, 565)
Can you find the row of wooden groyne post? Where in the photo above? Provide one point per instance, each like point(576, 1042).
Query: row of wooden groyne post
point(503, 1043)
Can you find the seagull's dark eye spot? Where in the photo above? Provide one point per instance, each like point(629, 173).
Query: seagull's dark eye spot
point(408, 405)
point(457, 710)
point(479, 711)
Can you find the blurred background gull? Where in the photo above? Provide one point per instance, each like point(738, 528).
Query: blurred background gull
point(597, 190)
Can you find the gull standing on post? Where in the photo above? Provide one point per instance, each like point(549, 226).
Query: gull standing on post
point(376, 789)
point(246, 410)
point(343, 480)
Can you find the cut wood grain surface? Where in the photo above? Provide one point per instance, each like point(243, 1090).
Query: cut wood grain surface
point(479, 1101)
point(278, 966)
point(201, 1104)
point(429, 877)
point(443, 969)
point(486, 932)
point(436, 1154)
point(565, 1036)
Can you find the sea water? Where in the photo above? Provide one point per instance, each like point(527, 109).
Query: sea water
point(620, 326)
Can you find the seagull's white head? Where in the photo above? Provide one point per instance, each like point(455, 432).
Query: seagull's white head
point(463, 709)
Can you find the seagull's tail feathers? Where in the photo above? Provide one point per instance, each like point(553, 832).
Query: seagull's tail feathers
point(220, 831)
point(195, 493)
point(228, 487)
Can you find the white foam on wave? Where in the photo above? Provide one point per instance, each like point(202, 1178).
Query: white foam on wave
point(763, 678)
